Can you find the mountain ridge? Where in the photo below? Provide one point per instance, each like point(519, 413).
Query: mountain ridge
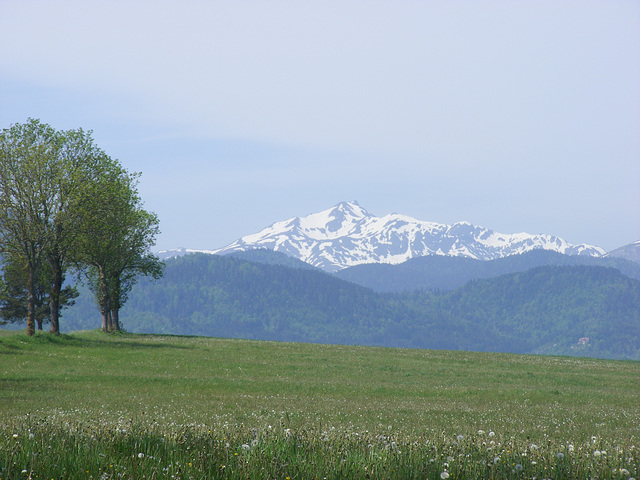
point(446, 273)
point(347, 235)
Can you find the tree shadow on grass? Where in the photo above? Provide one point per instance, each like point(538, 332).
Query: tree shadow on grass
point(19, 341)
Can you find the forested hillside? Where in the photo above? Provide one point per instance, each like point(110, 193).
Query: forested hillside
point(446, 272)
point(574, 310)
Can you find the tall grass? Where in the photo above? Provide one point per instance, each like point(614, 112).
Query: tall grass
point(88, 405)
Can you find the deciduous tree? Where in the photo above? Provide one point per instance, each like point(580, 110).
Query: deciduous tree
point(116, 235)
point(28, 156)
point(13, 294)
point(64, 202)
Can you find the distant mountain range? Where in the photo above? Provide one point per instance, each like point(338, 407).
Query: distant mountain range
point(437, 272)
point(348, 235)
point(346, 276)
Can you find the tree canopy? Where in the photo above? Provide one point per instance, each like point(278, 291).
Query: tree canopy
point(62, 198)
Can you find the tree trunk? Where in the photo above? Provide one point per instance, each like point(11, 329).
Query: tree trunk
point(54, 295)
point(31, 299)
point(103, 302)
point(105, 320)
point(115, 302)
point(115, 319)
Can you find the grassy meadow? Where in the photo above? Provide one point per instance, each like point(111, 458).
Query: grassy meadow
point(90, 405)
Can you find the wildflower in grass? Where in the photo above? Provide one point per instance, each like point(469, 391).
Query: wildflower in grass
point(460, 437)
point(492, 434)
point(254, 442)
point(480, 432)
point(496, 460)
point(444, 475)
point(245, 446)
point(518, 467)
point(141, 455)
point(597, 453)
point(560, 455)
point(15, 435)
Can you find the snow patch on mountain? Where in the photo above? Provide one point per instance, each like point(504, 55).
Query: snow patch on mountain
point(347, 235)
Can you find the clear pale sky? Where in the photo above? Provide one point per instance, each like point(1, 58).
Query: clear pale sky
point(519, 116)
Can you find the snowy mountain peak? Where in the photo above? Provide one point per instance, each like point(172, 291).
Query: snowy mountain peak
point(347, 235)
point(335, 222)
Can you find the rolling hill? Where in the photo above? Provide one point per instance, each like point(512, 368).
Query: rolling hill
point(569, 310)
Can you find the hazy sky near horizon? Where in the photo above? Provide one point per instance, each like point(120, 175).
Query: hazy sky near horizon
point(519, 116)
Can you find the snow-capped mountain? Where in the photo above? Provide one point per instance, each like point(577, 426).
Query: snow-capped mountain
point(348, 235)
point(629, 252)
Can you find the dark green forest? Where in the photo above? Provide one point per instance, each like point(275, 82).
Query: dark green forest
point(568, 310)
point(447, 273)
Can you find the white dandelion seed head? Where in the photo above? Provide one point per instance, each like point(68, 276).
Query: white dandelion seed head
point(460, 437)
point(141, 455)
point(496, 460)
point(444, 475)
point(597, 453)
point(518, 467)
point(560, 455)
point(15, 435)
point(492, 434)
point(480, 432)
point(245, 446)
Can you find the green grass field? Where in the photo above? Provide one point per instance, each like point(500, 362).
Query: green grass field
point(90, 405)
